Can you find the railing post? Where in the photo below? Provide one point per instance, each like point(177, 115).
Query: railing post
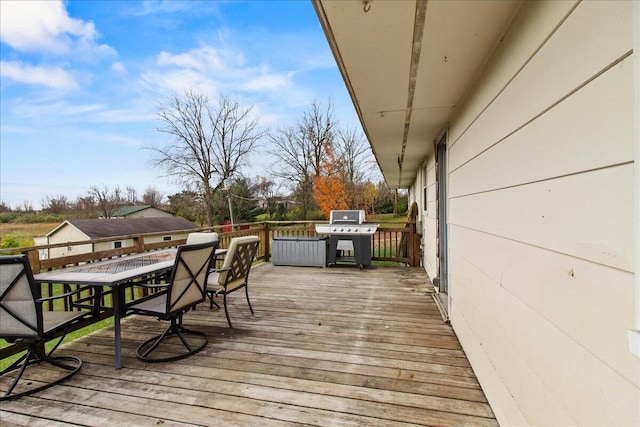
point(138, 243)
point(411, 247)
point(34, 261)
point(265, 242)
point(414, 246)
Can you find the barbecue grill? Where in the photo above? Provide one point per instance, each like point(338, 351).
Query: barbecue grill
point(349, 237)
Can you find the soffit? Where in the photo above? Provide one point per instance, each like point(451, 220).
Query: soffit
point(403, 109)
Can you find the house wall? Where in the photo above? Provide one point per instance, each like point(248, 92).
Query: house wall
point(541, 218)
point(65, 234)
point(41, 241)
point(105, 246)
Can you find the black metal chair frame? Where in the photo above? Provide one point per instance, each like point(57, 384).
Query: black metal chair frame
point(32, 325)
point(168, 304)
point(237, 267)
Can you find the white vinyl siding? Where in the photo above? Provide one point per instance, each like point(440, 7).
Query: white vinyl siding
point(541, 217)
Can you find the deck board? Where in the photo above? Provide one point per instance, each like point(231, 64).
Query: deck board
point(335, 346)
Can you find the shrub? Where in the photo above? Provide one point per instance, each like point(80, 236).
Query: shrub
point(36, 218)
point(6, 217)
point(10, 242)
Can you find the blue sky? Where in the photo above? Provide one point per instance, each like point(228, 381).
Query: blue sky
point(80, 83)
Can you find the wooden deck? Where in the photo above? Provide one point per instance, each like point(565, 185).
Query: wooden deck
point(326, 347)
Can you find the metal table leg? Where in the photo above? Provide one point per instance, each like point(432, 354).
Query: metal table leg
point(118, 303)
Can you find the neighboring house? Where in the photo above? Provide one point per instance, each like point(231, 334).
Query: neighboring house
point(285, 202)
point(515, 127)
point(77, 230)
point(140, 212)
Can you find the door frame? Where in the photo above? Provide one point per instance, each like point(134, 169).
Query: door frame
point(441, 283)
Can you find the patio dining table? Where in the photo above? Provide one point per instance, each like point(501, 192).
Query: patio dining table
point(117, 274)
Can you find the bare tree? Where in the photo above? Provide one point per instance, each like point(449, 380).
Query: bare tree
point(107, 201)
point(301, 149)
point(56, 205)
point(356, 161)
point(132, 195)
point(152, 196)
point(210, 143)
point(85, 206)
point(25, 206)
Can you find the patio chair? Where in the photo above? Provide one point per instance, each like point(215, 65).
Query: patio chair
point(193, 238)
point(234, 273)
point(184, 290)
point(201, 238)
point(23, 320)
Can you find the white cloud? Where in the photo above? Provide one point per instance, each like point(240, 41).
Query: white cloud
point(48, 111)
point(178, 81)
point(45, 26)
point(118, 67)
point(214, 70)
point(53, 77)
point(268, 82)
point(203, 59)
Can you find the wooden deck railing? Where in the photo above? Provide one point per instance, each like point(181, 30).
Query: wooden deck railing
point(392, 242)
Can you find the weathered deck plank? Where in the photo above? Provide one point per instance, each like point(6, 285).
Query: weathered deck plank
point(334, 346)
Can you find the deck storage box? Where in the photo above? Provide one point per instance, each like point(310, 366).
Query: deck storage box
point(299, 251)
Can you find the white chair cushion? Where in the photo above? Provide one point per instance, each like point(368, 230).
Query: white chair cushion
point(194, 238)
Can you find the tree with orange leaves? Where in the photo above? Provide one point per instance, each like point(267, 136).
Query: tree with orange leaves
point(330, 189)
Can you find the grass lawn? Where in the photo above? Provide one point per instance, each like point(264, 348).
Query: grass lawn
point(384, 218)
point(24, 233)
point(70, 337)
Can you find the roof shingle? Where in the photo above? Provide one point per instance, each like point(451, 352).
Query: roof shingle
point(100, 228)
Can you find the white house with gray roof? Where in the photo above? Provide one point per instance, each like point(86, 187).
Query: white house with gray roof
point(77, 230)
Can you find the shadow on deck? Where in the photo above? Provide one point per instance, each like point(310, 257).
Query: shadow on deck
point(335, 346)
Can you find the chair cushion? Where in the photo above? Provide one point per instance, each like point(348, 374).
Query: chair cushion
point(53, 320)
point(212, 280)
point(231, 253)
point(156, 304)
point(21, 310)
point(235, 284)
point(232, 247)
point(194, 238)
point(213, 284)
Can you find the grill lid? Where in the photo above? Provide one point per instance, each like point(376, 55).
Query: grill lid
point(346, 217)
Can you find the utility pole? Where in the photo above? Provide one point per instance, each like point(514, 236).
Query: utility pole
point(228, 190)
